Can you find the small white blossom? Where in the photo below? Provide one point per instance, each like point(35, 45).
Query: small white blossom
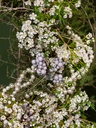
point(32, 16)
point(28, 2)
point(78, 4)
point(67, 12)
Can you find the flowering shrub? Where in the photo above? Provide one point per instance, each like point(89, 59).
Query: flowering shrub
point(46, 95)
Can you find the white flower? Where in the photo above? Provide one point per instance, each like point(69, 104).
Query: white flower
point(13, 98)
point(27, 96)
point(52, 10)
point(3, 117)
point(20, 45)
point(1, 105)
point(39, 3)
point(63, 52)
point(21, 36)
point(77, 121)
point(9, 102)
point(89, 35)
point(51, 0)
point(26, 25)
point(5, 122)
point(78, 4)
point(19, 115)
point(68, 12)
point(28, 2)
point(9, 110)
point(32, 16)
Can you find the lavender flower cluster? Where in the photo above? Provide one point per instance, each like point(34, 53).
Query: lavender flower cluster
point(56, 69)
point(39, 64)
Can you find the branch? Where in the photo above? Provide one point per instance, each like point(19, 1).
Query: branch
point(4, 9)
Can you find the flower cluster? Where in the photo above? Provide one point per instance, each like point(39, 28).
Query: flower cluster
point(44, 37)
point(39, 64)
point(39, 109)
point(68, 12)
point(44, 96)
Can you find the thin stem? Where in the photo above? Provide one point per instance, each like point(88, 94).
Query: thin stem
point(18, 64)
point(4, 9)
point(88, 20)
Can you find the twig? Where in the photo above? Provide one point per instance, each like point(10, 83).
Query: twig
point(88, 20)
point(95, 36)
point(18, 64)
point(4, 38)
point(0, 2)
point(8, 23)
point(7, 62)
point(4, 9)
point(87, 121)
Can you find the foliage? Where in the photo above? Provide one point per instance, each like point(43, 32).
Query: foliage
point(51, 96)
